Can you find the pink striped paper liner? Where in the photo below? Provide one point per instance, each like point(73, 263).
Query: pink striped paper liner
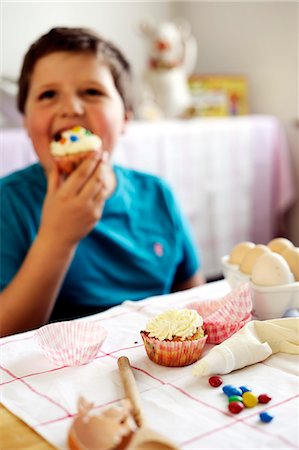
point(70, 343)
point(173, 353)
point(224, 317)
point(220, 331)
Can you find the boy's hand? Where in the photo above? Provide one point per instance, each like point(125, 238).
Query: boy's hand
point(73, 207)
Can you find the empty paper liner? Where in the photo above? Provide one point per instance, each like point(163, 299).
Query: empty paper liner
point(70, 343)
point(225, 316)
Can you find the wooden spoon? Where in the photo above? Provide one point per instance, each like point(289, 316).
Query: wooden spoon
point(144, 438)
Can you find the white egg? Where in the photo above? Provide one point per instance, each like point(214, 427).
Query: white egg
point(239, 251)
point(291, 255)
point(271, 269)
point(278, 245)
point(251, 256)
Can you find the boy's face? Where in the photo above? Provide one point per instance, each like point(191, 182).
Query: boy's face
point(69, 89)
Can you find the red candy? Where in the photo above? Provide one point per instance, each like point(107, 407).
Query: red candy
point(215, 381)
point(235, 407)
point(264, 398)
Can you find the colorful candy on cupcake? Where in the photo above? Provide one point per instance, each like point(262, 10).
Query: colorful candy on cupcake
point(71, 147)
point(174, 338)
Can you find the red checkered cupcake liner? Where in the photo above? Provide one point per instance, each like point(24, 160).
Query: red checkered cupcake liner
point(70, 343)
point(173, 353)
point(224, 317)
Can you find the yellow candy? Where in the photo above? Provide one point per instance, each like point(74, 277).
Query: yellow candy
point(78, 128)
point(249, 399)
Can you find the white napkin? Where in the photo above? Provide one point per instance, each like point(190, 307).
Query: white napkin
point(256, 341)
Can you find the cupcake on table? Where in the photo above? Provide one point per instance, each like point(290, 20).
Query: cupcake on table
point(174, 338)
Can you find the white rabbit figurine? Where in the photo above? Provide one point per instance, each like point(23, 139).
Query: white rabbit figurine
point(172, 58)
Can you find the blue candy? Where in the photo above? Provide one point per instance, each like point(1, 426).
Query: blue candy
point(265, 417)
point(245, 389)
point(230, 390)
point(227, 389)
point(236, 391)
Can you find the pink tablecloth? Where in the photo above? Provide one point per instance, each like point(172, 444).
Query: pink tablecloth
point(232, 176)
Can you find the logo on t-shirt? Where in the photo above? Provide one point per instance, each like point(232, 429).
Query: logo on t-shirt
point(158, 249)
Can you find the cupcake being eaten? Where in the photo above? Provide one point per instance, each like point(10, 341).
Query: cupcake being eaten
point(70, 147)
point(174, 338)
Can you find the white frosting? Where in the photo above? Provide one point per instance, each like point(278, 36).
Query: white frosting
point(76, 140)
point(182, 323)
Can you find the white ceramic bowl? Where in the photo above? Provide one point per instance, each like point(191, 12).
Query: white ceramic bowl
point(273, 302)
point(232, 273)
point(269, 302)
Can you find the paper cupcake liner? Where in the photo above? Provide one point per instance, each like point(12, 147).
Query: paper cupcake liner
point(173, 353)
point(68, 163)
point(225, 316)
point(70, 343)
point(219, 331)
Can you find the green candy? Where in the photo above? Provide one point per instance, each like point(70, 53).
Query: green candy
point(235, 398)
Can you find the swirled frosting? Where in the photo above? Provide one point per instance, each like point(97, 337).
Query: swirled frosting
point(182, 323)
point(75, 140)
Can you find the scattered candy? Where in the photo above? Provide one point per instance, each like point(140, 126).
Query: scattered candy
point(249, 399)
point(235, 407)
point(265, 417)
point(264, 398)
point(245, 389)
point(215, 381)
point(235, 398)
point(242, 396)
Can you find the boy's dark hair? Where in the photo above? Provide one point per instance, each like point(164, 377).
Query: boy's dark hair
point(77, 40)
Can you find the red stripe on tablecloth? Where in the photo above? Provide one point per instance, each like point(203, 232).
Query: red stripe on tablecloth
point(12, 341)
point(117, 350)
point(216, 430)
point(35, 391)
point(16, 378)
point(141, 370)
point(104, 405)
point(50, 422)
point(31, 375)
point(197, 400)
point(42, 424)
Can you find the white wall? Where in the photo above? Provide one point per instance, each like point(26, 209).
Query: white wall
point(256, 38)
point(23, 22)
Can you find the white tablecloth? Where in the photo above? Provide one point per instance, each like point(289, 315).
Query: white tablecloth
point(232, 176)
point(177, 404)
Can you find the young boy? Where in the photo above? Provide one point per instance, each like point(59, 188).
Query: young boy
point(75, 246)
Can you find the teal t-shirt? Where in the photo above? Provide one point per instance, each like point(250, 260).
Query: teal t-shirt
point(140, 247)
